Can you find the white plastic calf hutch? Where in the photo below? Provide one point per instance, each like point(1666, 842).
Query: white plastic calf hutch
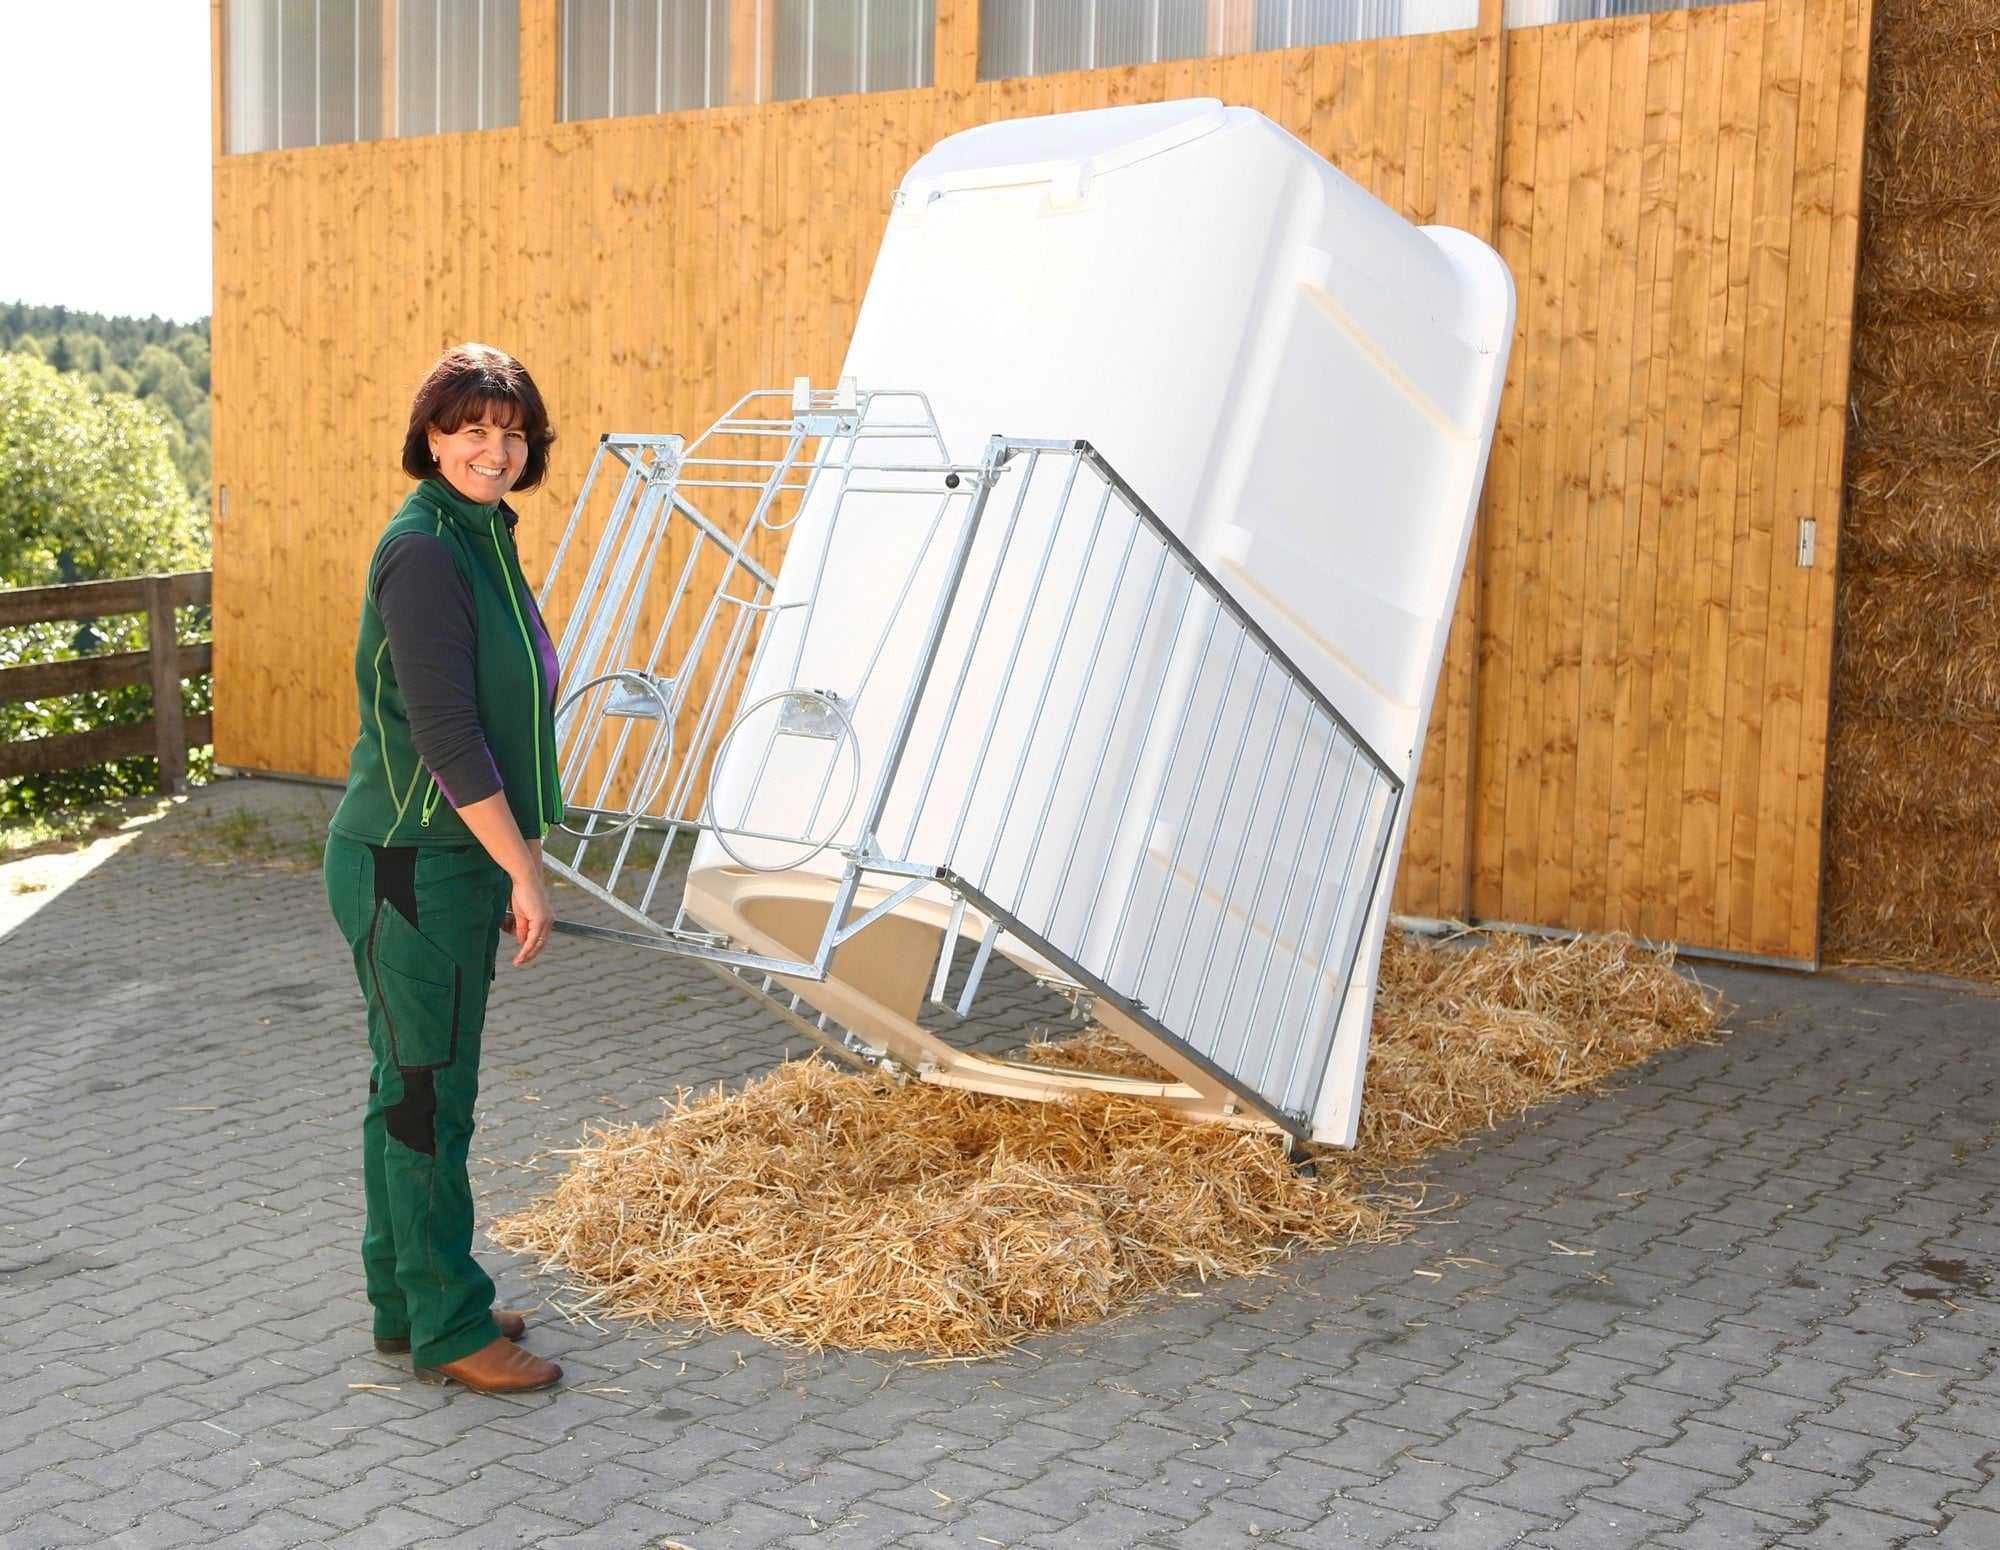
point(1116, 575)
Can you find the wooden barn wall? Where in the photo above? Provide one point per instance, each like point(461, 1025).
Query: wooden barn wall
point(1680, 207)
point(1631, 729)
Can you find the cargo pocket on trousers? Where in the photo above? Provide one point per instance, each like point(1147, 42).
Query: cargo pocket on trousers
point(418, 983)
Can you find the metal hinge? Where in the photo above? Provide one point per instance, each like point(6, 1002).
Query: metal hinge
point(1808, 536)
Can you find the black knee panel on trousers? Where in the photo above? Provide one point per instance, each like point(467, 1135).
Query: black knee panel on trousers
point(413, 1120)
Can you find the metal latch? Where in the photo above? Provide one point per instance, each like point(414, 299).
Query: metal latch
point(811, 713)
point(1808, 533)
point(630, 699)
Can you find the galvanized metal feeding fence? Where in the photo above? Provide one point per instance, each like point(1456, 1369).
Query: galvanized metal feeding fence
point(991, 711)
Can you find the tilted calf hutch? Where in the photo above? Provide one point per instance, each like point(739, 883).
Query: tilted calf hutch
point(1116, 577)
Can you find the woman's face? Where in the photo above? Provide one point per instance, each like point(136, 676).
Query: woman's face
point(484, 456)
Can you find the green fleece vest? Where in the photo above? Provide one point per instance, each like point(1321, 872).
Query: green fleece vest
point(391, 798)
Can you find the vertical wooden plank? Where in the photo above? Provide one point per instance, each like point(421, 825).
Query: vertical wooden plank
point(1388, 132)
point(164, 659)
point(752, 51)
point(1830, 447)
point(1634, 731)
point(1694, 255)
point(1501, 539)
point(1573, 433)
point(1489, 87)
point(1749, 597)
point(955, 65)
point(1451, 758)
point(218, 62)
point(1774, 823)
point(540, 63)
point(1609, 464)
point(1420, 876)
point(1704, 843)
point(1535, 554)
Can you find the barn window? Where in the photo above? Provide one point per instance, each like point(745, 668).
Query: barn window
point(1039, 37)
point(458, 65)
point(820, 47)
point(319, 72)
point(301, 72)
point(661, 56)
point(643, 56)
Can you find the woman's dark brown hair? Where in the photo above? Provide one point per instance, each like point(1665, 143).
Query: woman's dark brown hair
point(464, 384)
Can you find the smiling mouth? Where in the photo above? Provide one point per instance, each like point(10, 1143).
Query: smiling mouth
point(488, 473)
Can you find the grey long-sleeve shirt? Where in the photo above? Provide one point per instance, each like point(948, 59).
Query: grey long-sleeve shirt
point(427, 613)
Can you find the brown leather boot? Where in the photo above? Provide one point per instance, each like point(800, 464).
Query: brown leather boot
point(498, 1367)
point(512, 1325)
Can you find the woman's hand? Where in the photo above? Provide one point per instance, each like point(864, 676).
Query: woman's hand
point(533, 915)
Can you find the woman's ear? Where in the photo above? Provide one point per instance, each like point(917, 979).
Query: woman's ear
point(432, 436)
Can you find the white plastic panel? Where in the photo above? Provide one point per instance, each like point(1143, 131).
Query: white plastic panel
point(1299, 382)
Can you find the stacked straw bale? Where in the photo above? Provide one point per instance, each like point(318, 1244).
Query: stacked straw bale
point(1913, 784)
point(819, 1208)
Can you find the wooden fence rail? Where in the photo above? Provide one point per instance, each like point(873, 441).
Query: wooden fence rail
point(164, 664)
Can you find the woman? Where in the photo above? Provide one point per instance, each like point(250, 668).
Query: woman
point(451, 786)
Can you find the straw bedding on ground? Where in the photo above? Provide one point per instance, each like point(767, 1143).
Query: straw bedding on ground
point(816, 1207)
point(1911, 826)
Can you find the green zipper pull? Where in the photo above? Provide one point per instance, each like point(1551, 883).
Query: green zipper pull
point(430, 803)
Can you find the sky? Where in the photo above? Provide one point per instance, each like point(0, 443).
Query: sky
point(105, 114)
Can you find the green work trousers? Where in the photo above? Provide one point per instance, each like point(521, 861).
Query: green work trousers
point(423, 924)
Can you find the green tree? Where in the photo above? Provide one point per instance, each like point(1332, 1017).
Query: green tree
point(88, 484)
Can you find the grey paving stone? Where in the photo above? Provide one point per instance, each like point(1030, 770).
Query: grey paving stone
point(1591, 1524)
point(1720, 1526)
point(1478, 1526)
point(1969, 1528)
point(1843, 1527)
point(209, 1336)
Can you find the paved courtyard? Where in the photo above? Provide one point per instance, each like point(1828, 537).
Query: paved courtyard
point(1748, 1299)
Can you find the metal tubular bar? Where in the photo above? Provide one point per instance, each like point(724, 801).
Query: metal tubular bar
point(1243, 849)
point(619, 646)
point(902, 597)
point(1110, 727)
point(1076, 715)
point(979, 961)
point(814, 1030)
point(861, 922)
point(1365, 907)
point(1048, 679)
point(569, 528)
point(1179, 959)
point(899, 736)
point(582, 637)
point(735, 545)
point(949, 944)
point(1180, 839)
point(1334, 917)
point(971, 649)
point(1305, 921)
point(1131, 888)
point(1020, 639)
point(1126, 1007)
point(661, 943)
point(1237, 612)
point(666, 726)
point(711, 710)
point(1291, 877)
point(737, 555)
